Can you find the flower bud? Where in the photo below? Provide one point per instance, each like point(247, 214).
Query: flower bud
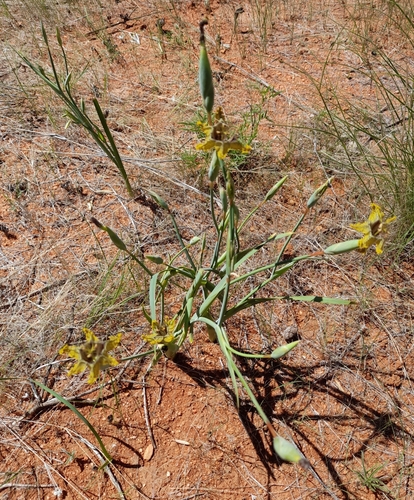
point(214, 169)
point(194, 240)
point(230, 188)
point(318, 193)
point(159, 200)
point(116, 240)
point(223, 198)
point(205, 75)
point(286, 450)
point(343, 247)
point(156, 259)
point(275, 189)
point(236, 215)
point(283, 349)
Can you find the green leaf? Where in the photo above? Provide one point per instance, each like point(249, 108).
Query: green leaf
point(322, 300)
point(78, 414)
point(147, 316)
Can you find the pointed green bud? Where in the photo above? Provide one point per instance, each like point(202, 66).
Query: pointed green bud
point(156, 259)
point(58, 37)
point(283, 349)
point(223, 198)
point(319, 193)
point(194, 240)
point(343, 247)
point(286, 450)
point(97, 223)
point(275, 189)
point(236, 213)
point(214, 169)
point(159, 200)
point(116, 240)
point(44, 35)
point(205, 75)
point(230, 188)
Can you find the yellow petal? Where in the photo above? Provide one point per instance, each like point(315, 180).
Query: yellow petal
point(152, 338)
point(93, 374)
point(113, 342)
point(379, 246)
point(64, 349)
point(361, 227)
point(77, 368)
point(107, 361)
point(208, 144)
point(205, 127)
point(376, 213)
point(235, 145)
point(168, 339)
point(222, 151)
point(90, 336)
point(72, 351)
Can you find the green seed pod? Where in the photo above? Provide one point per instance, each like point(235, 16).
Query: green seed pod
point(318, 193)
point(205, 75)
point(283, 349)
point(286, 450)
point(343, 247)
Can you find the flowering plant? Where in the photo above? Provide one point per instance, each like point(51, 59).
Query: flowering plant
point(209, 276)
point(92, 355)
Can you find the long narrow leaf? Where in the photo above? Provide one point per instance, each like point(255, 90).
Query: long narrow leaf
point(78, 414)
point(114, 150)
point(317, 298)
point(251, 302)
point(224, 346)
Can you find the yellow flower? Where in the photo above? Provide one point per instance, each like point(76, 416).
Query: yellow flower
point(373, 229)
point(93, 354)
point(217, 137)
point(161, 334)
